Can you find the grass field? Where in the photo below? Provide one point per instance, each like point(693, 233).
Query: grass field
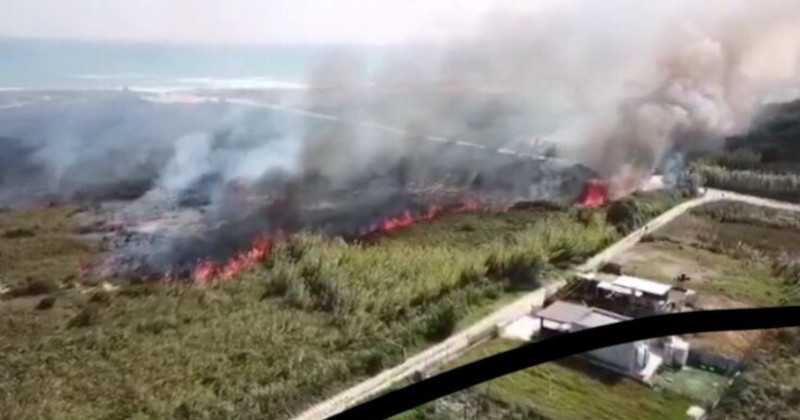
point(730, 249)
point(712, 273)
point(320, 314)
point(576, 391)
point(38, 245)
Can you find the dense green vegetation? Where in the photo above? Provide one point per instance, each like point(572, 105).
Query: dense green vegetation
point(773, 185)
point(318, 315)
point(632, 213)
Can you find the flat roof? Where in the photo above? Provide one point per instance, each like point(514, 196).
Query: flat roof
point(599, 317)
point(646, 286)
point(571, 313)
point(614, 288)
point(565, 312)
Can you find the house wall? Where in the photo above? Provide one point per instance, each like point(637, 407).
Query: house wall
point(621, 357)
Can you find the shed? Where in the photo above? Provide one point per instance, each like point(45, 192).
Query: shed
point(641, 285)
point(560, 316)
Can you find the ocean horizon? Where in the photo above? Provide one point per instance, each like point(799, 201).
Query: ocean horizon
point(74, 65)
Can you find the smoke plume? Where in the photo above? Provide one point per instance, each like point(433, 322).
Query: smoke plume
point(613, 84)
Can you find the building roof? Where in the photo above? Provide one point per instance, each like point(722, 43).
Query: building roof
point(597, 318)
point(565, 312)
point(646, 286)
point(584, 316)
point(614, 288)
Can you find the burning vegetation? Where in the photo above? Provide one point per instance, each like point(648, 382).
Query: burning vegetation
point(219, 244)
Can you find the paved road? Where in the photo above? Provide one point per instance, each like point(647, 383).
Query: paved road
point(483, 329)
point(633, 238)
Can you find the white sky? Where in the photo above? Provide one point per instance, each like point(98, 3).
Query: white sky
point(244, 21)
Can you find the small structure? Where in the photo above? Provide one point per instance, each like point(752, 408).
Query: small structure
point(523, 329)
point(636, 296)
point(634, 359)
point(676, 351)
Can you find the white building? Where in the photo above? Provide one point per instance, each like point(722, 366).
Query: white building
point(636, 359)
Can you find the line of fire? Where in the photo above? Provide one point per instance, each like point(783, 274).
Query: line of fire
point(438, 177)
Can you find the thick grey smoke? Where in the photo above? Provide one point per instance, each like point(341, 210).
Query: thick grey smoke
point(615, 84)
point(627, 80)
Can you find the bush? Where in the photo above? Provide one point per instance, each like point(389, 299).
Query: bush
point(100, 297)
point(739, 159)
point(611, 268)
point(18, 233)
point(631, 213)
point(46, 303)
point(521, 270)
point(441, 321)
point(318, 314)
point(33, 287)
point(86, 317)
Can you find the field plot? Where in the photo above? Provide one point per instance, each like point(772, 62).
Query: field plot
point(318, 315)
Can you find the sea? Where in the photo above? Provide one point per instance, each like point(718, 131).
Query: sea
point(47, 64)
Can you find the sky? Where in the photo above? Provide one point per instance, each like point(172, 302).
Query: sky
point(247, 21)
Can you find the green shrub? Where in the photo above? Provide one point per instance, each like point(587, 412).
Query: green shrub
point(441, 321)
point(631, 213)
point(86, 317)
point(46, 303)
point(521, 270)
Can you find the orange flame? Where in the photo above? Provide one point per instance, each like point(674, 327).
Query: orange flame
point(206, 271)
point(395, 223)
point(596, 194)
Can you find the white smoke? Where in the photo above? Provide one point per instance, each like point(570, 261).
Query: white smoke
point(190, 161)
